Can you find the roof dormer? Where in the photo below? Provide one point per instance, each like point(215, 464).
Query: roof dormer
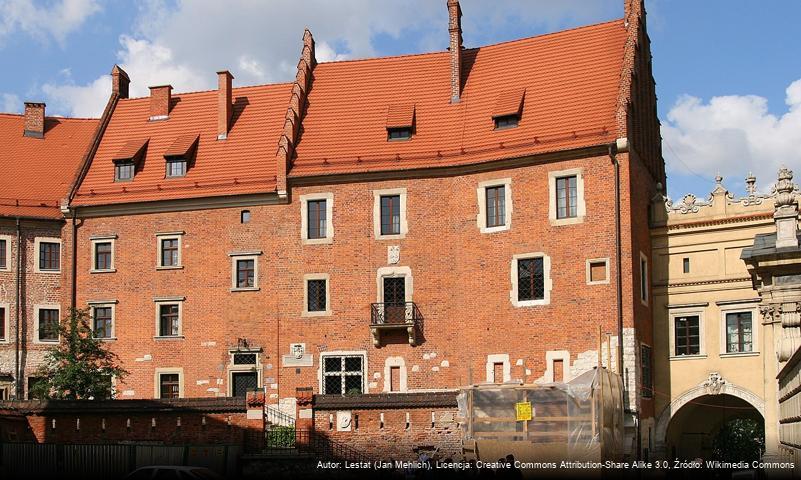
point(508, 109)
point(400, 122)
point(180, 154)
point(127, 159)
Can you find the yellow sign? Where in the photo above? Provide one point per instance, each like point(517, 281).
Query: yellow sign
point(523, 411)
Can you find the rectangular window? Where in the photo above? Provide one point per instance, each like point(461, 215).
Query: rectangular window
point(647, 390)
point(685, 265)
point(390, 215)
point(169, 252)
point(3, 394)
point(102, 322)
point(49, 256)
point(687, 335)
point(566, 197)
point(176, 168)
point(123, 171)
point(3, 259)
point(316, 295)
point(245, 273)
point(739, 332)
point(317, 219)
point(169, 320)
point(169, 385)
point(643, 279)
point(506, 121)
point(48, 325)
point(401, 133)
point(496, 206)
point(343, 375)
point(530, 279)
point(3, 324)
point(103, 255)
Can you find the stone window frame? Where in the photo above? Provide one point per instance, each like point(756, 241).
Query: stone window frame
point(231, 368)
point(552, 356)
point(684, 312)
point(251, 255)
point(396, 271)
point(547, 282)
point(6, 320)
point(9, 260)
point(481, 195)
point(168, 371)
point(170, 236)
point(36, 309)
point(107, 304)
point(316, 276)
point(344, 353)
point(581, 206)
point(329, 218)
point(755, 325)
point(403, 379)
point(159, 301)
point(494, 358)
point(645, 280)
point(404, 226)
point(590, 261)
point(94, 240)
point(36, 250)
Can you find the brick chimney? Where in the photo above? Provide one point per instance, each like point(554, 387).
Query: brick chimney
point(119, 82)
point(455, 30)
point(34, 119)
point(160, 102)
point(225, 107)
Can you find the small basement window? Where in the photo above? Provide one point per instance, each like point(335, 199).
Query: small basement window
point(506, 121)
point(401, 133)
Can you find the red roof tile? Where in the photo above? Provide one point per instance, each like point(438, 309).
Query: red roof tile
point(509, 103)
point(36, 173)
point(243, 163)
point(400, 115)
point(182, 145)
point(571, 79)
point(131, 149)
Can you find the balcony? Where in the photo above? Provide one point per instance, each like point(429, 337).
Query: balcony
point(396, 316)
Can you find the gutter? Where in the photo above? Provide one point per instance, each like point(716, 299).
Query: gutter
point(621, 145)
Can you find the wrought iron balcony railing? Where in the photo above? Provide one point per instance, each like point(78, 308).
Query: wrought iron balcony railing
point(395, 316)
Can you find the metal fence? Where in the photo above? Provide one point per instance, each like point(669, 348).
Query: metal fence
point(32, 460)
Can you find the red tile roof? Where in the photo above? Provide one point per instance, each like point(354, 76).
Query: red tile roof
point(131, 149)
point(509, 103)
point(242, 164)
point(36, 173)
point(182, 145)
point(571, 79)
point(400, 115)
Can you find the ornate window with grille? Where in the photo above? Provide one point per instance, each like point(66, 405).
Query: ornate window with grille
point(531, 282)
point(343, 374)
point(316, 295)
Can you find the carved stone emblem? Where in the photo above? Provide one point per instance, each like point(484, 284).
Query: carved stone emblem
point(297, 350)
point(393, 254)
point(714, 384)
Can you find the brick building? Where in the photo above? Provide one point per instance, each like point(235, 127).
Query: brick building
point(412, 223)
point(38, 161)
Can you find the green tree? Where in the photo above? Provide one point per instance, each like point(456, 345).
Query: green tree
point(80, 367)
point(741, 439)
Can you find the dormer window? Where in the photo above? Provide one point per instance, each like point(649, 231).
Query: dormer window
point(508, 109)
point(126, 159)
point(400, 122)
point(179, 154)
point(176, 168)
point(124, 171)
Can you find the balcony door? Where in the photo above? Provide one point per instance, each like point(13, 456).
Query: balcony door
point(394, 299)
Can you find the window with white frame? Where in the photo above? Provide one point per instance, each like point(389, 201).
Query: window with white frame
point(169, 250)
point(494, 205)
point(244, 271)
point(342, 374)
point(103, 319)
point(103, 254)
point(687, 334)
point(169, 317)
point(566, 204)
point(169, 383)
point(316, 295)
point(316, 218)
point(5, 253)
point(389, 213)
point(739, 331)
point(48, 323)
point(644, 279)
point(597, 271)
point(48, 255)
point(531, 280)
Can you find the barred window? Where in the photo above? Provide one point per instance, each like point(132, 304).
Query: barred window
point(687, 335)
point(3, 259)
point(103, 256)
point(176, 168)
point(343, 374)
point(316, 295)
point(123, 171)
point(169, 320)
point(169, 385)
point(316, 219)
point(496, 206)
point(530, 279)
point(49, 256)
point(647, 390)
point(48, 325)
point(102, 319)
point(390, 215)
point(566, 197)
point(169, 252)
point(245, 273)
point(739, 332)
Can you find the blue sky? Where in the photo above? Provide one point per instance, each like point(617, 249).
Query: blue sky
point(725, 70)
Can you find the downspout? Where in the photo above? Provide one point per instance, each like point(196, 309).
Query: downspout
point(18, 339)
point(74, 262)
point(620, 145)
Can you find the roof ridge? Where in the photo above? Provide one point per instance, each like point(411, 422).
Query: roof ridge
point(52, 117)
point(195, 92)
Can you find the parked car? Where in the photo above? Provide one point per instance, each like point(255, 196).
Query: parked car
point(173, 472)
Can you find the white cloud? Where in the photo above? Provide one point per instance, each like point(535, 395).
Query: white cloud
point(184, 43)
point(80, 100)
point(10, 103)
point(733, 135)
point(43, 20)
